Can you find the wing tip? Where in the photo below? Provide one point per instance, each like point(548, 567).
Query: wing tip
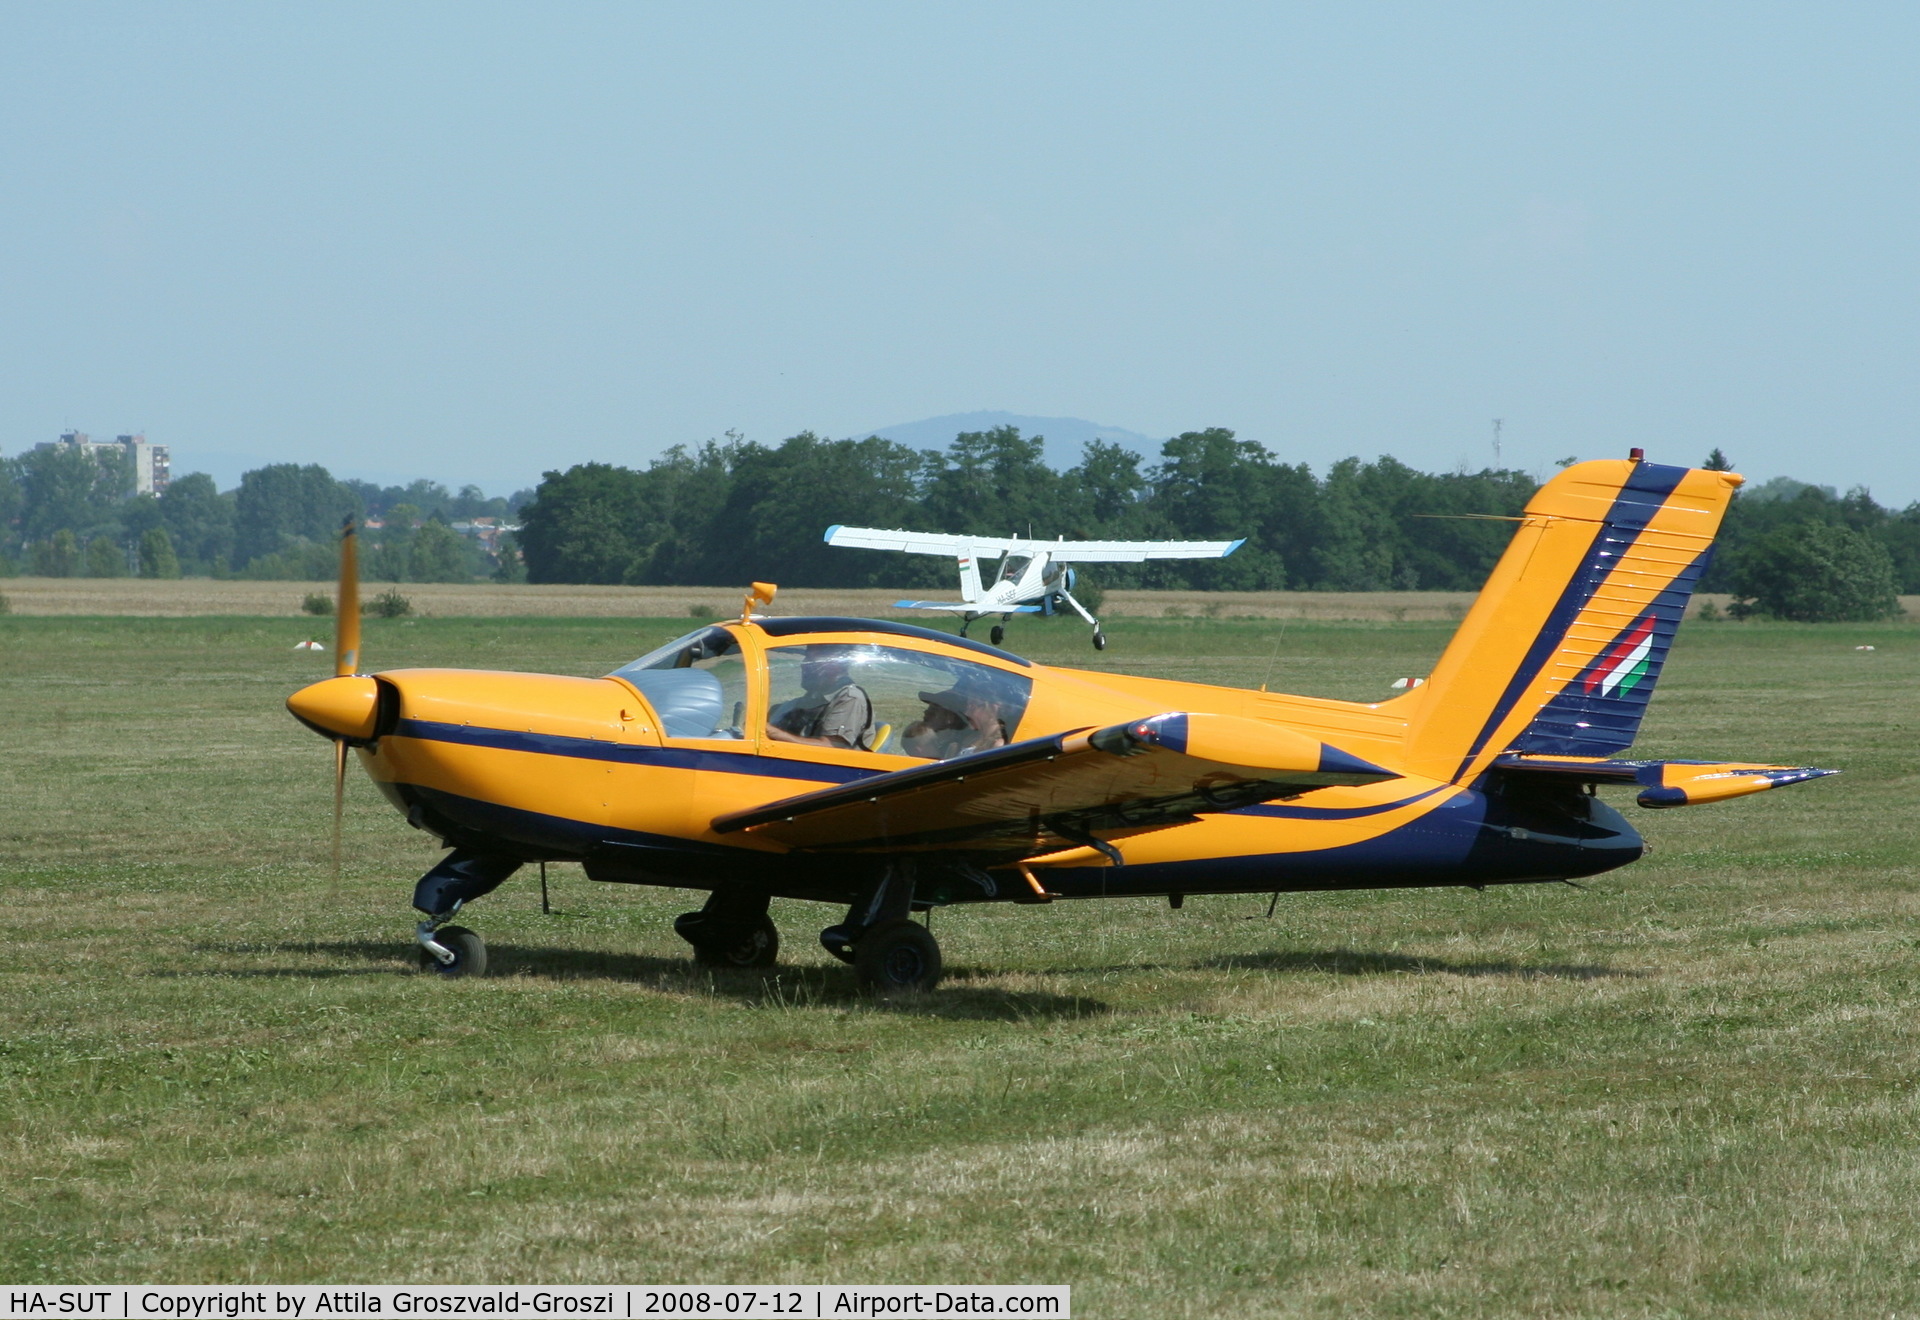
point(832, 531)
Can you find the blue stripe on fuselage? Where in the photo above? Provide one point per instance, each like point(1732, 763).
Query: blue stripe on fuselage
point(743, 762)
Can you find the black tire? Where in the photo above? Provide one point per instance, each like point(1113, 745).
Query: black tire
point(897, 958)
point(998, 635)
point(468, 949)
point(1099, 640)
point(754, 944)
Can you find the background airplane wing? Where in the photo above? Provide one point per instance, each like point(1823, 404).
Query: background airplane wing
point(1063, 790)
point(1134, 552)
point(1064, 552)
point(916, 543)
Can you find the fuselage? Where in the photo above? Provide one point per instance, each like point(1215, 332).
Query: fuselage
point(615, 773)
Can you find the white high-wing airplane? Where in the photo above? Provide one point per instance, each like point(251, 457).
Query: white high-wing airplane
point(1031, 578)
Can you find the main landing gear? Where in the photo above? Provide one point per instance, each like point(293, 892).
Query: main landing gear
point(1049, 604)
point(732, 930)
point(892, 954)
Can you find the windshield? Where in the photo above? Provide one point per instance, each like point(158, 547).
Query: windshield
point(696, 684)
point(1013, 566)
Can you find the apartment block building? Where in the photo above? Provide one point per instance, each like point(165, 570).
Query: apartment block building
point(152, 468)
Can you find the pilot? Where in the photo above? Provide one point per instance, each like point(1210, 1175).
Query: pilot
point(832, 710)
point(964, 718)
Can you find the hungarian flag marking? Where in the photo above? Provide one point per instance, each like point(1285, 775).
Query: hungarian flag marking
point(1622, 668)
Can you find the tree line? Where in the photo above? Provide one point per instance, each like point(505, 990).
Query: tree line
point(732, 511)
point(66, 513)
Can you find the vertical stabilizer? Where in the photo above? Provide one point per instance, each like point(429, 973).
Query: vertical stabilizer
point(969, 574)
point(1561, 651)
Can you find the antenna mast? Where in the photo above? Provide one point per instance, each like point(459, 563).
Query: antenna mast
point(1498, 422)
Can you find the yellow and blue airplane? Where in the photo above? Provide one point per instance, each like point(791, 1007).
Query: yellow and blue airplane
point(891, 769)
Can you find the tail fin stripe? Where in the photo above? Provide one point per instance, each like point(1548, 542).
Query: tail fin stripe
point(1597, 708)
point(1636, 505)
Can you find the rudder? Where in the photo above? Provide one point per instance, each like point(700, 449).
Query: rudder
point(1562, 649)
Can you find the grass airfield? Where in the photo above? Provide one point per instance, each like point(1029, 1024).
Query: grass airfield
point(1691, 1089)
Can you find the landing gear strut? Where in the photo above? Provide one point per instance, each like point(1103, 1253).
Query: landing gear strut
point(892, 955)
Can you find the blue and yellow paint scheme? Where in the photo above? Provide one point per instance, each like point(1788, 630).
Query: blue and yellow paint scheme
point(670, 771)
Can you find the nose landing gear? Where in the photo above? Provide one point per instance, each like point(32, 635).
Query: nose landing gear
point(451, 951)
point(460, 877)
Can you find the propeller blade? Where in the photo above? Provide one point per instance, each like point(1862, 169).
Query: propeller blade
point(346, 635)
point(339, 797)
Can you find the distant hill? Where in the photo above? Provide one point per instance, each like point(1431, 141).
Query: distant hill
point(1065, 436)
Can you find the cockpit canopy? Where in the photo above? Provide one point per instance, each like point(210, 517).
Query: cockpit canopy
point(896, 700)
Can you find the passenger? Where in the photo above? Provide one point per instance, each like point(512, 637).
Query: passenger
point(832, 710)
point(962, 719)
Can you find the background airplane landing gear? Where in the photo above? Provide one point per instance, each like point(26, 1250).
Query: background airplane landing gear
point(1099, 640)
point(468, 949)
point(897, 958)
point(998, 635)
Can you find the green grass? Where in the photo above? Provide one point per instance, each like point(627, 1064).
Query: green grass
point(1692, 1089)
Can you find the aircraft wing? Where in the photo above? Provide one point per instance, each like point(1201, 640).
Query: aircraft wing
point(1061, 791)
point(1063, 552)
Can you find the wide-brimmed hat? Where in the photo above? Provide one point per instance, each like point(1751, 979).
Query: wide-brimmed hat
point(956, 697)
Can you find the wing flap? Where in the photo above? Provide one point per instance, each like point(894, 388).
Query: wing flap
point(1064, 790)
point(1666, 783)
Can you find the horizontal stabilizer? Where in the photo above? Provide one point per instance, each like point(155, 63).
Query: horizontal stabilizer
point(1666, 783)
point(1062, 791)
point(976, 608)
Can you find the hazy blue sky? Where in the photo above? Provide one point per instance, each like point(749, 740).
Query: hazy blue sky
point(474, 242)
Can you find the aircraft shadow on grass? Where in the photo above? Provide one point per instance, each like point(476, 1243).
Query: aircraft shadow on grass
point(796, 987)
point(1356, 962)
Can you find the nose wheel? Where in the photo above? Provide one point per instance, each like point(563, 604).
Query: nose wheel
point(466, 952)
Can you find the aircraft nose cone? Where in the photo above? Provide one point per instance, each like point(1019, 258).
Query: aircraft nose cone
point(338, 707)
